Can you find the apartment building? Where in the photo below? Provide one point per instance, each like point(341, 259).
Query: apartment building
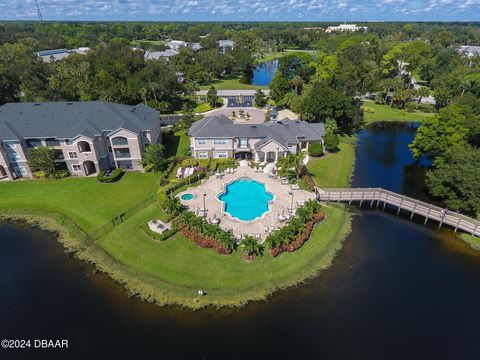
point(87, 136)
point(217, 137)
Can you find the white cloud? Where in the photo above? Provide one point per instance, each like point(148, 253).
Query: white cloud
point(243, 9)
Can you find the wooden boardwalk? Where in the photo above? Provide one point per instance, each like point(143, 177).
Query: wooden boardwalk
point(377, 196)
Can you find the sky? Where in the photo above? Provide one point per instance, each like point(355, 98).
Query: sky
point(240, 10)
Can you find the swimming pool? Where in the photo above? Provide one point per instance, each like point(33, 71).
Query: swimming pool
point(246, 199)
point(187, 197)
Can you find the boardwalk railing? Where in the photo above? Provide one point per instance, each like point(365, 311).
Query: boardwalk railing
point(401, 202)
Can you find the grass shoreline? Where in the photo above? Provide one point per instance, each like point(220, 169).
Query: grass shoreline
point(150, 288)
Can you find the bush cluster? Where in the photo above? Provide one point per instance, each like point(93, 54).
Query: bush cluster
point(315, 149)
point(206, 235)
point(293, 235)
point(177, 185)
point(113, 177)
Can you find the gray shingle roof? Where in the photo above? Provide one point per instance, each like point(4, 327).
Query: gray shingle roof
point(284, 132)
point(65, 120)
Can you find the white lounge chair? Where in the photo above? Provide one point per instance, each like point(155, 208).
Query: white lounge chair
point(295, 186)
point(300, 202)
point(179, 173)
point(285, 181)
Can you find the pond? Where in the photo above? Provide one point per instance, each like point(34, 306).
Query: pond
point(264, 72)
point(397, 290)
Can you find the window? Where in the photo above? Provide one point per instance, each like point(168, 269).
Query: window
point(220, 155)
point(201, 141)
point(72, 155)
point(76, 167)
point(243, 143)
point(10, 145)
point(203, 154)
point(68, 142)
point(13, 157)
point(125, 164)
point(122, 153)
point(20, 170)
point(145, 134)
point(119, 140)
point(109, 149)
point(52, 142)
point(220, 142)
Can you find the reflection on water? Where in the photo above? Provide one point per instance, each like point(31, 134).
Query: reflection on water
point(397, 290)
point(264, 72)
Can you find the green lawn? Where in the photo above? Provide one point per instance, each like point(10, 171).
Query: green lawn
point(202, 107)
point(177, 265)
point(176, 145)
point(472, 240)
point(387, 113)
point(84, 200)
point(231, 84)
point(335, 169)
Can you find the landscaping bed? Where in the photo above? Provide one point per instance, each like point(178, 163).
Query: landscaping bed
point(300, 239)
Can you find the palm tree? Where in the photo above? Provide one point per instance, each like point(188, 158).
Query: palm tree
point(421, 93)
point(297, 83)
point(293, 161)
point(252, 247)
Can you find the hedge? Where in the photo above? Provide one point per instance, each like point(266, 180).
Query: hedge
point(114, 176)
point(188, 180)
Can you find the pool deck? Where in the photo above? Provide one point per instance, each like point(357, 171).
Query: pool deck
point(213, 187)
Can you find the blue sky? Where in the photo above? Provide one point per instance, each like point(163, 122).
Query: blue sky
point(255, 10)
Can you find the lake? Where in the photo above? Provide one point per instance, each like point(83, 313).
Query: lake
point(397, 290)
point(264, 72)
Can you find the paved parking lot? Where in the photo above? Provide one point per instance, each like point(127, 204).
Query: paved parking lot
point(240, 101)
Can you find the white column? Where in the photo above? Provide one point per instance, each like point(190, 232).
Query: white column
point(276, 156)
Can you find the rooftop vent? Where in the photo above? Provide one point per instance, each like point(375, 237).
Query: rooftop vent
point(36, 104)
point(253, 126)
point(133, 109)
point(69, 103)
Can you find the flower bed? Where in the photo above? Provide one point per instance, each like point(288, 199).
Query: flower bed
point(205, 241)
point(205, 235)
point(300, 238)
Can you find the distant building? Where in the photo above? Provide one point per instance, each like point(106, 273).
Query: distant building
point(469, 50)
point(176, 44)
point(60, 54)
point(346, 27)
point(157, 55)
point(225, 45)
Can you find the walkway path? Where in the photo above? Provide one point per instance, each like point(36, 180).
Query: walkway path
point(401, 202)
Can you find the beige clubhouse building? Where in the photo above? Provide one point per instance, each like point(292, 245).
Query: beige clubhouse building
point(218, 137)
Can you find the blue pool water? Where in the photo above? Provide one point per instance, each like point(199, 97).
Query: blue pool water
point(246, 199)
point(187, 197)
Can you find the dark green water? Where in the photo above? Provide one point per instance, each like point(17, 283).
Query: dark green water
point(397, 290)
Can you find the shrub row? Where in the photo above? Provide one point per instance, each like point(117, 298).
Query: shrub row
point(113, 177)
point(280, 240)
point(301, 238)
point(190, 179)
point(205, 235)
point(307, 178)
